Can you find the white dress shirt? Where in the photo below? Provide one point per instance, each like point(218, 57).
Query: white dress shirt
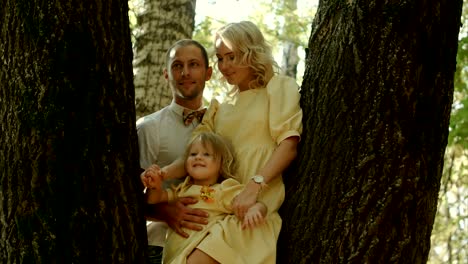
point(162, 138)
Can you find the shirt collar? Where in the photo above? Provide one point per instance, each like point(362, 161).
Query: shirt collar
point(178, 109)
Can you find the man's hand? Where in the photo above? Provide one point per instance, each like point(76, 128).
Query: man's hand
point(178, 215)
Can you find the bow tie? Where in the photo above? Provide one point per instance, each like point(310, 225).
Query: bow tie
point(188, 115)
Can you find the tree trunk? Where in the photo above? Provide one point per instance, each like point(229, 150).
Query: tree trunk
point(161, 24)
point(290, 57)
point(376, 96)
point(68, 150)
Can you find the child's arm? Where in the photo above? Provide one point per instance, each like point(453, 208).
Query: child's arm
point(255, 215)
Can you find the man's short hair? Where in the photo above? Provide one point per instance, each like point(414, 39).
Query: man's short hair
point(188, 42)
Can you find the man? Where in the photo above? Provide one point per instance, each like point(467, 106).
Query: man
point(163, 135)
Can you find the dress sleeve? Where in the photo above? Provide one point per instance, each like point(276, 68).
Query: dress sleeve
point(208, 122)
point(229, 189)
point(285, 111)
point(171, 196)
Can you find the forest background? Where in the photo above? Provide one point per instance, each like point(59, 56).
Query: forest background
point(449, 240)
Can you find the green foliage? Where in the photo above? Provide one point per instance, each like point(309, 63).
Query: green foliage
point(135, 7)
point(459, 116)
point(203, 32)
point(459, 122)
point(289, 22)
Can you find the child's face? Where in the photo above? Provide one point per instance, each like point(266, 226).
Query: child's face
point(202, 165)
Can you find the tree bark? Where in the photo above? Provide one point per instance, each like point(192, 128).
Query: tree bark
point(162, 23)
point(68, 147)
point(376, 97)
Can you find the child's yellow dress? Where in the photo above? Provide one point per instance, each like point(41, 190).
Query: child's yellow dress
point(215, 200)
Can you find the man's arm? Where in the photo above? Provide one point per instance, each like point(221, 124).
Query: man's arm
point(178, 215)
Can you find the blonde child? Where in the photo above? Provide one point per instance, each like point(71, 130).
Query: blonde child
point(210, 165)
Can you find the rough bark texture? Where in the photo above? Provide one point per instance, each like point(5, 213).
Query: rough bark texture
point(161, 24)
point(376, 96)
point(68, 152)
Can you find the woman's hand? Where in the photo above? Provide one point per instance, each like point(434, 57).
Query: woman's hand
point(246, 199)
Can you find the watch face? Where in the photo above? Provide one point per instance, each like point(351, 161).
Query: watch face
point(257, 179)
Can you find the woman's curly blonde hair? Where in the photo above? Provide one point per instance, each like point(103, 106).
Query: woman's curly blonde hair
point(250, 49)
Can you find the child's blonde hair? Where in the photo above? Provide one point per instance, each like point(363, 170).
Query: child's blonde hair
point(250, 49)
point(222, 149)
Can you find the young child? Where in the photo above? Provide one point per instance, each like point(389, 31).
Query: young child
point(210, 165)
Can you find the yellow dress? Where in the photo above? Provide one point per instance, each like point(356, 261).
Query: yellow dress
point(255, 121)
point(215, 200)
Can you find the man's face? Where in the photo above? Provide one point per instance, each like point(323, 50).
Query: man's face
point(187, 73)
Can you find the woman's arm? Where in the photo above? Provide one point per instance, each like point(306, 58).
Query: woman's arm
point(282, 157)
point(175, 170)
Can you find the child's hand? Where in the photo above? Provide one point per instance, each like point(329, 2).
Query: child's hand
point(255, 216)
point(152, 177)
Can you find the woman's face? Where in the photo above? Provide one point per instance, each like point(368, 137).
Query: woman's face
point(235, 74)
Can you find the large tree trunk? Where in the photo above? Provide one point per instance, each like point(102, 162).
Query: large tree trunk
point(68, 152)
point(161, 24)
point(376, 96)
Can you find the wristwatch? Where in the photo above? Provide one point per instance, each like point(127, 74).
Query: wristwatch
point(258, 179)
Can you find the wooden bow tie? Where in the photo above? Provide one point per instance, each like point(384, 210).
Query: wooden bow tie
point(189, 115)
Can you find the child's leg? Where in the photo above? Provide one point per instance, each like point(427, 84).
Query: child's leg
point(199, 257)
